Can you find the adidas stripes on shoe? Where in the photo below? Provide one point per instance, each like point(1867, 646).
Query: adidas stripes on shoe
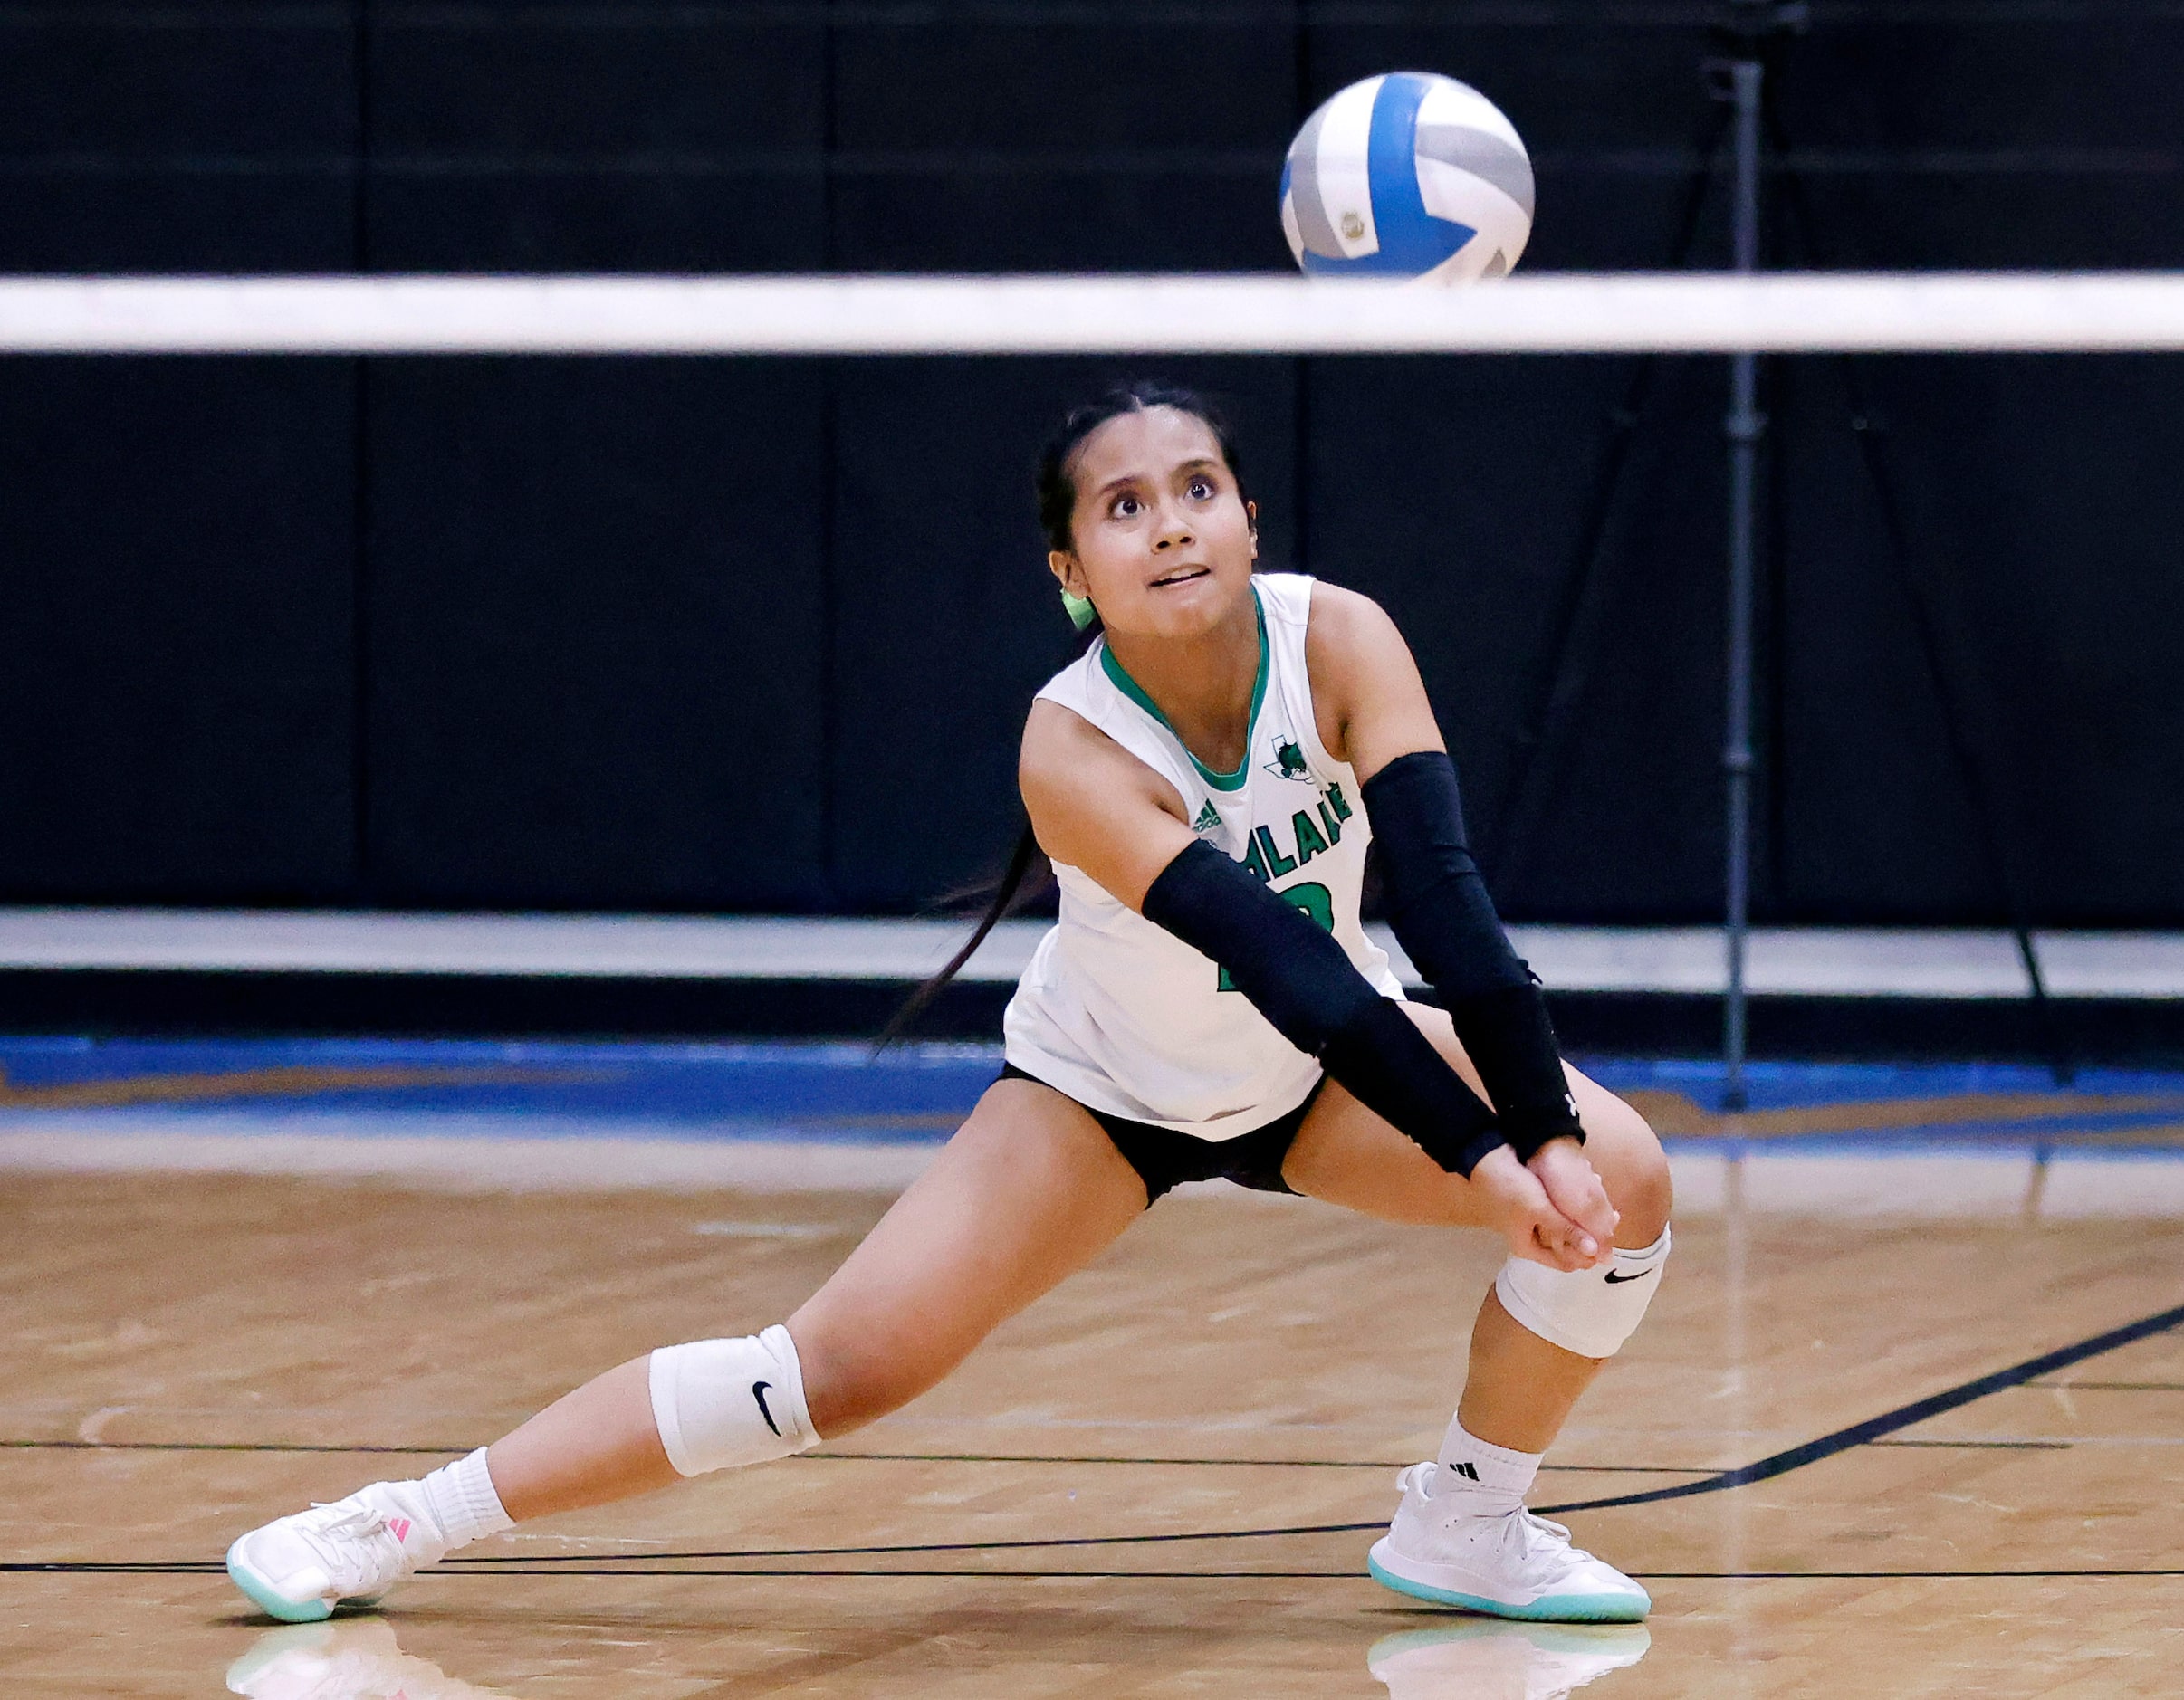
point(299, 1567)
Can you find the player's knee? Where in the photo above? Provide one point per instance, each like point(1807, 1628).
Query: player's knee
point(1588, 1312)
point(718, 1403)
point(848, 1400)
point(1631, 1164)
point(848, 1386)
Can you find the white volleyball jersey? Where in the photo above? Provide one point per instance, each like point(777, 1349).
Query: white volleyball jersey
point(1125, 1017)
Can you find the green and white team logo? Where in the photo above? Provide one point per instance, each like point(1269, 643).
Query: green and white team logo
point(1289, 761)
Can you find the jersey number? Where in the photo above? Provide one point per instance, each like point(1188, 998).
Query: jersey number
point(1311, 899)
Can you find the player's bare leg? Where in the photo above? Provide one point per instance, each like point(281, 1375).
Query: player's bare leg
point(1029, 1190)
point(1463, 1520)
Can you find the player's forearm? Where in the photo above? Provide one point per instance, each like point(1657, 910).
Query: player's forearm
point(1445, 920)
point(1299, 979)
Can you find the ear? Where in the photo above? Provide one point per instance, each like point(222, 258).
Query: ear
point(1251, 519)
point(1068, 571)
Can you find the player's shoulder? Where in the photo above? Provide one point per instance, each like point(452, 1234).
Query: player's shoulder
point(1348, 629)
point(1062, 748)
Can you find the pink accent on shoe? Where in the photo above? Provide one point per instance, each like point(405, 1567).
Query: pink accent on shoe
point(398, 1527)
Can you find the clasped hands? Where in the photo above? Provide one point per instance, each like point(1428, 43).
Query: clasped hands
point(1552, 1209)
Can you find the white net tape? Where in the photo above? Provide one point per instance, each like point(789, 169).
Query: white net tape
point(1549, 313)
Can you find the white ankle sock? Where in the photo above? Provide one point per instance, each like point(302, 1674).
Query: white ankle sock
point(464, 1500)
point(1495, 1477)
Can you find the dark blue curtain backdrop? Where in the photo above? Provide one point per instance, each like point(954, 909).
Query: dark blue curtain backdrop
point(699, 635)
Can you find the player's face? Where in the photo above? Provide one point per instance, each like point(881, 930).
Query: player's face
point(1163, 537)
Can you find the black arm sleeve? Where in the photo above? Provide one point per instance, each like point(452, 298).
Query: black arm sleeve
point(1439, 908)
point(1298, 978)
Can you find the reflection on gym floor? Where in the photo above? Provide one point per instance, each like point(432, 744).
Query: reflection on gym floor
point(1481, 1659)
point(358, 1658)
point(349, 1659)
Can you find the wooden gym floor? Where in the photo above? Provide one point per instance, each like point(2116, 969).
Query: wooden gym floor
point(1160, 1481)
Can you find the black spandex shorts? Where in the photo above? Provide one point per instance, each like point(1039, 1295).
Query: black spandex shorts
point(1163, 1157)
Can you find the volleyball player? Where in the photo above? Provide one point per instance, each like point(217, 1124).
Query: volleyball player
point(1205, 778)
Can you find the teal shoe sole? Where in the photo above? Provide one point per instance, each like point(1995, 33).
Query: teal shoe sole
point(272, 1604)
point(1553, 1609)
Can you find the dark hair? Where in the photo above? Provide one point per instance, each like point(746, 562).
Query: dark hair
point(1057, 476)
point(1055, 483)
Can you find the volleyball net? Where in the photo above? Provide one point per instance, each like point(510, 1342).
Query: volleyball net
point(1742, 316)
point(1564, 314)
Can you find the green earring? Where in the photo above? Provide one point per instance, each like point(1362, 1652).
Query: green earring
point(1080, 610)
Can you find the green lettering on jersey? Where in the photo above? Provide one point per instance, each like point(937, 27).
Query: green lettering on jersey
point(1310, 899)
point(1341, 808)
point(1309, 843)
point(1252, 863)
point(1277, 863)
point(1316, 901)
point(1327, 820)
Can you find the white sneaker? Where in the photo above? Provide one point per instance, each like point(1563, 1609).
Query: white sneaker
point(1503, 1661)
point(350, 1553)
point(1510, 1565)
point(355, 1659)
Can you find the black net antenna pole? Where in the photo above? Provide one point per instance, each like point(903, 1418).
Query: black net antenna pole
point(1735, 76)
point(1745, 42)
point(1744, 426)
point(1866, 424)
point(1559, 683)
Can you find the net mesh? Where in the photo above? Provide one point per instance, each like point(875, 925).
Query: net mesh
point(2059, 312)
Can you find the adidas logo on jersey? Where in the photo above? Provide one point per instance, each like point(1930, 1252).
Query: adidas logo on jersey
point(1209, 820)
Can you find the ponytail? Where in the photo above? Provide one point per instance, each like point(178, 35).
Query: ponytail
point(1024, 879)
point(1006, 896)
point(1054, 490)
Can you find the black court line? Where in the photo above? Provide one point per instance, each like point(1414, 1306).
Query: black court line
point(1866, 1433)
point(840, 1457)
point(1356, 1574)
point(217, 1446)
point(1254, 1464)
point(557, 1560)
point(58, 1568)
point(1903, 1416)
point(1883, 1574)
point(88, 1567)
point(1765, 1469)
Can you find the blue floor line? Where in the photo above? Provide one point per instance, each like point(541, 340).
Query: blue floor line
point(1790, 1085)
point(835, 1092)
point(1895, 1142)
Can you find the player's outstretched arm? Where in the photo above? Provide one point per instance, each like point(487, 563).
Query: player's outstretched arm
point(1092, 809)
point(1374, 712)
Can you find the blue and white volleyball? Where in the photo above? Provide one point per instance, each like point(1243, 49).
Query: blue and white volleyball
point(1407, 175)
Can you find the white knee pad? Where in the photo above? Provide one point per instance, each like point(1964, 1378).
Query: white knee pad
point(1589, 1311)
point(719, 1402)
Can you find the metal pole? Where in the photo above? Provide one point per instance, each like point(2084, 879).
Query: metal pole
point(1743, 427)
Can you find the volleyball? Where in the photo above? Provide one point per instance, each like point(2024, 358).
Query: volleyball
point(1408, 174)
